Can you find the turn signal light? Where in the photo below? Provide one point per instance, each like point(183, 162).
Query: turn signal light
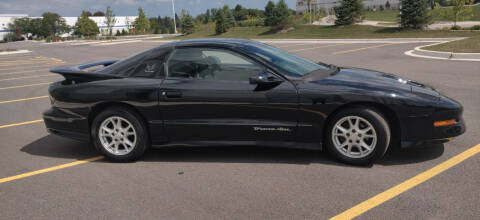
point(444, 123)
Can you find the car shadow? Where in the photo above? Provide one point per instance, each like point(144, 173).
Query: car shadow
point(416, 154)
point(54, 146)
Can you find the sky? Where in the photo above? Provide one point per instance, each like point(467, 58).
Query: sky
point(152, 8)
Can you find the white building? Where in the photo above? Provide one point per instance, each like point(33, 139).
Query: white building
point(122, 23)
point(302, 5)
point(5, 19)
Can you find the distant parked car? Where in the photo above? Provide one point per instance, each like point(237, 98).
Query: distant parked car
point(239, 92)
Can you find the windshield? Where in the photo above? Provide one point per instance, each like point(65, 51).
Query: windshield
point(290, 64)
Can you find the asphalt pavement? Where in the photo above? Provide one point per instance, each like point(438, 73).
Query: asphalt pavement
point(228, 182)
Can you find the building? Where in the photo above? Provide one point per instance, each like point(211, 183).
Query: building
point(303, 5)
point(5, 19)
point(122, 23)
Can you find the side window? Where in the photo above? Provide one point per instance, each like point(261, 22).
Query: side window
point(212, 64)
point(151, 67)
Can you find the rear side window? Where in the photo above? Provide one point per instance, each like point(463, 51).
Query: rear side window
point(211, 64)
point(152, 66)
point(148, 64)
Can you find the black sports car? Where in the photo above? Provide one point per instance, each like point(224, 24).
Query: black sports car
point(239, 92)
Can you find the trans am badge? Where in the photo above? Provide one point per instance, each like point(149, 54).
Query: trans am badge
point(282, 129)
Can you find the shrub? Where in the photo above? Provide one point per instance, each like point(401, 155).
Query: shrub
point(456, 28)
point(10, 37)
point(475, 27)
point(251, 22)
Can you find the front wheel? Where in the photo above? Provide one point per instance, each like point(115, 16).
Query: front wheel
point(119, 134)
point(358, 136)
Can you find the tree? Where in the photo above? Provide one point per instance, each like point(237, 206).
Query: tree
point(221, 25)
point(20, 26)
point(188, 27)
point(109, 21)
point(53, 24)
point(240, 13)
point(349, 12)
point(460, 10)
point(99, 14)
point(35, 27)
point(414, 14)
point(229, 16)
point(177, 19)
point(141, 23)
point(85, 26)
point(387, 5)
point(277, 15)
point(207, 17)
point(270, 19)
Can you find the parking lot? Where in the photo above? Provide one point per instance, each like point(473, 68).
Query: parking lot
point(44, 176)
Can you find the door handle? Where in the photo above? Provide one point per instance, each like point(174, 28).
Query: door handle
point(172, 94)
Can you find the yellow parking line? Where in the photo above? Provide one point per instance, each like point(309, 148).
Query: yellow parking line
point(21, 69)
point(408, 184)
point(20, 72)
point(360, 49)
point(16, 57)
point(28, 77)
point(50, 169)
point(29, 63)
point(25, 60)
point(22, 86)
point(312, 48)
point(25, 99)
point(21, 123)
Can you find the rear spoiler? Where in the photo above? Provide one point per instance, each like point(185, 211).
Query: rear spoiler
point(73, 72)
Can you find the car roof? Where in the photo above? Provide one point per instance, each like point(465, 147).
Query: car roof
point(212, 41)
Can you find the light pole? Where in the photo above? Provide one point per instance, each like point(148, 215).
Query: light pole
point(174, 20)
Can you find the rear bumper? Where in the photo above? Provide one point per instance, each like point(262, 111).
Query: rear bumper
point(68, 124)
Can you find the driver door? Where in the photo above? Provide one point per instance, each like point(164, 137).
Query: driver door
point(206, 96)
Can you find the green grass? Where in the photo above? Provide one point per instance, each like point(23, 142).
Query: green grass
point(470, 45)
point(474, 17)
point(392, 15)
point(387, 15)
point(319, 32)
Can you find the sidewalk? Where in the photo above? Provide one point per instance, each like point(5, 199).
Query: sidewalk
point(430, 54)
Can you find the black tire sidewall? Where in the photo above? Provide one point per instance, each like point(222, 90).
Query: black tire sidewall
point(134, 119)
point(381, 128)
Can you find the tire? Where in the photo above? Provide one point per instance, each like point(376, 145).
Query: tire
point(340, 137)
point(128, 143)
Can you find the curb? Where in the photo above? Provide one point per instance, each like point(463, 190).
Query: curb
point(14, 52)
point(438, 55)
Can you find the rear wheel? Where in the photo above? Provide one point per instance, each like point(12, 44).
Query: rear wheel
point(119, 134)
point(358, 136)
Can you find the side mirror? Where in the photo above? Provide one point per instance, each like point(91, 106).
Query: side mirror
point(265, 78)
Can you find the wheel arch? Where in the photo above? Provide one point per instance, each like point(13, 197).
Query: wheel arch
point(96, 109)
point(390, 115)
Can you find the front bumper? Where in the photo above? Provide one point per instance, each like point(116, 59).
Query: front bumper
point(66, 123)
point(418, 130)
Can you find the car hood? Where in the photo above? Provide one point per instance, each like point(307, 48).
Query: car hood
point(364, 79)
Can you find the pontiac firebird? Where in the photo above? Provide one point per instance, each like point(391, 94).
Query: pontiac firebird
point(227, 92)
